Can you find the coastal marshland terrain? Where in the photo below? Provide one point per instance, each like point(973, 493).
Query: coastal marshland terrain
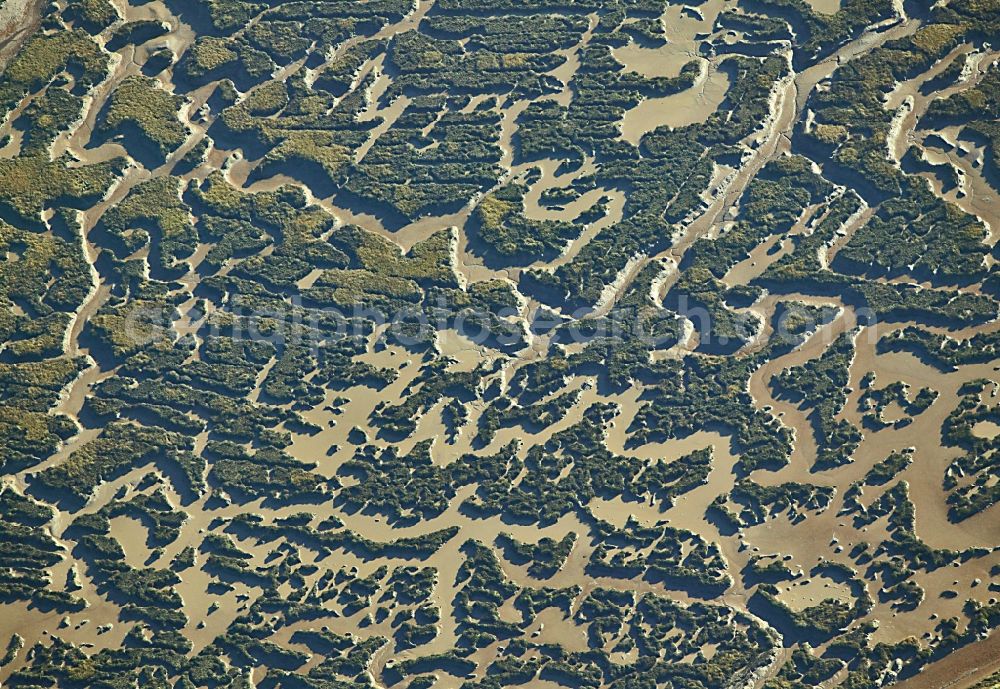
point(488, 343)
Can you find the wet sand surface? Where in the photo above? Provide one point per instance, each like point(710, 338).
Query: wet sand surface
point(18, 20)
point(680, 109)
point(825, 6)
